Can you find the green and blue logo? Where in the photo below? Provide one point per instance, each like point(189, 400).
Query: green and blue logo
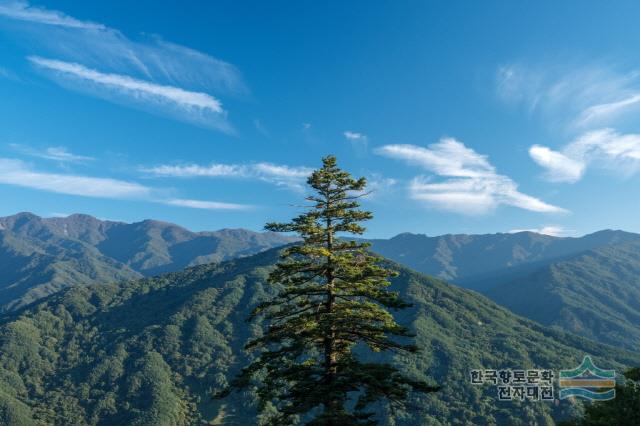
point(588, 381)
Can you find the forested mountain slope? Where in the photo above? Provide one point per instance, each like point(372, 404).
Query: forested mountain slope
point(458, 258)
point(152, 351)
point(40, 256)
point(595, 294)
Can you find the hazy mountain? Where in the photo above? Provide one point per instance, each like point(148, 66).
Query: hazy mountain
point(588, 285)
point(458, 258)
point(595, 293)
point(39, 256)
point(151, 351)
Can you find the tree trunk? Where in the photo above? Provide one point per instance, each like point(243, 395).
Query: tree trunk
point(330, 356)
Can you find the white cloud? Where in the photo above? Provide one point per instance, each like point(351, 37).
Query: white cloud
point(207, 205)
point(17, 173)
point(22, 11)
point(551, 230)
point(560, 168)
point(291, 177)
point(281, 175)
point(378, 185)
point(197, 107)
point(605, 112)
point(52, 153)
point(139, 87)
point(588, 100)
point(604, 148)
point(359, 142)
point(354, 136)
point(472, 186)
point(275, 170)
point(446, 158)
point(579, 96)
point(96, 45)
point(194, 170)
point(143, 73)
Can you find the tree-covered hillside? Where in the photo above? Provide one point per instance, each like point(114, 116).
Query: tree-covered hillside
point(152, 351)
point(463, 258)
point(40, 256)
point(589, 286)
point(595, 294)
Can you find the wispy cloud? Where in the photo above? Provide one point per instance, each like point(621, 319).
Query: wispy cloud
point(588, 100)
point(281, 175)
point(472, 185)
point(607, 111)
point(261, 128)
point(153, 75)
point(194, 170)
point(138, 87)
point(18, 173)
point(560, 167)
point(98, 46)
point(196, 107)
point(378, 186)
point(292, 177)
point(551, 230)
point(207, 205)
point(51, 153)
point(22, 11)
point(355, 136)
point(575, 96)
point(359, 141)
point(604, 149)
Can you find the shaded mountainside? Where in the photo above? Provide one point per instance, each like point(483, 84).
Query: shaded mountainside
point(595, 294)
point(589, 286)
point(152, 351)
point(456, 258)
point(40, 256)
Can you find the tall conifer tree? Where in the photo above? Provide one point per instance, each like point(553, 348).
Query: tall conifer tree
point(333, 296)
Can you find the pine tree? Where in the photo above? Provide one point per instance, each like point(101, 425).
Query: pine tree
point(332, 297)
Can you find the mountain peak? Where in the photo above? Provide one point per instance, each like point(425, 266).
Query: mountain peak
point(81, 249)
point(82, 217)
point(20, 220)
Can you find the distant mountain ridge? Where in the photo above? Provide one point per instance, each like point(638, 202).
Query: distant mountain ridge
point(39, 256)
point(595, 294)
point(589, 286)
point(458, 257)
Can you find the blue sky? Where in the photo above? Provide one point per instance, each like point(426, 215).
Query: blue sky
point(474, 117)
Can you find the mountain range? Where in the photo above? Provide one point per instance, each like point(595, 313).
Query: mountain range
point(39, 256)
point(594, 293)
point(463, 258)
point(152, 351)
point(589, 285)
